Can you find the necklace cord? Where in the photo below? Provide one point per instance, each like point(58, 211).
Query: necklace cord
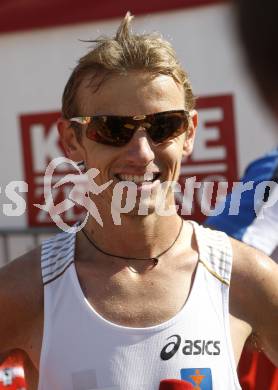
point(155, 259)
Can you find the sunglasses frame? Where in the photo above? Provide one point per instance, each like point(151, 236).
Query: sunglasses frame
point(141, 119)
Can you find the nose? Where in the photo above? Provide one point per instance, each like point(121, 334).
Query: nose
point(139, 150)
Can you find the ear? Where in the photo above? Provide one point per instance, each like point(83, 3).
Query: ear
point(72, 146)
point(190, 134)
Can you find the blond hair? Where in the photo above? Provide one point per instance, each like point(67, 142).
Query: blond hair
point(120, 54)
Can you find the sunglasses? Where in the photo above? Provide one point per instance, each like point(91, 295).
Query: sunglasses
point(117, 130)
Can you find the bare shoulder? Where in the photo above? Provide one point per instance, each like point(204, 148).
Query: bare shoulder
point(21, 300)
point(254, 294)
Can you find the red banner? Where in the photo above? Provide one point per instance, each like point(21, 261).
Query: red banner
point(214, 159)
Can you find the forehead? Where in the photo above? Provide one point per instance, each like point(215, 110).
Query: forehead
point(133, 93)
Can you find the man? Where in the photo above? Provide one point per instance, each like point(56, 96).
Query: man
point(125, 306)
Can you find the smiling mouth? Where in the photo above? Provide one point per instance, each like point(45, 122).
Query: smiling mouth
point(139, 179)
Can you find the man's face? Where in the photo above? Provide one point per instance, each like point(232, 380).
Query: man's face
point(135, 93)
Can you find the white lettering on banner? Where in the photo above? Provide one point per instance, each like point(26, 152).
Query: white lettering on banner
point(39, 180)
point(207, 133)
point(202, 168)
point(44, 147)
point(214, 154)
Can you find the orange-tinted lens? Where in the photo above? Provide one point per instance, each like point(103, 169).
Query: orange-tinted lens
point(109, 130)
point(118, 130)
point(167, 126)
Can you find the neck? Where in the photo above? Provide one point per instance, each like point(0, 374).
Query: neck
point(137, 236)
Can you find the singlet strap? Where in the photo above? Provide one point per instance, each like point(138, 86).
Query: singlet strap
point(57, 255)
point(215, 252)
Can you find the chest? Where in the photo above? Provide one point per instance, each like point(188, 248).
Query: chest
point(137, 299)
point(194, 338)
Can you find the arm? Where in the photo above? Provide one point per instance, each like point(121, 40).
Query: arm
point(21, 301)
point(254, 295)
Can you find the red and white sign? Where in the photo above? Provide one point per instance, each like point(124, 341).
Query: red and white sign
point(41, 144)
point(214, 159)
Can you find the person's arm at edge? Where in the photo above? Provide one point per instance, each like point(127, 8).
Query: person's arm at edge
point(254, 295)
point(21, 301)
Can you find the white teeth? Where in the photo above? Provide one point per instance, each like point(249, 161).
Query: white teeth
point(149, 176)
point(136, 178)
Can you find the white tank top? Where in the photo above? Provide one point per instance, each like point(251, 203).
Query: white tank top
point(81, 350)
